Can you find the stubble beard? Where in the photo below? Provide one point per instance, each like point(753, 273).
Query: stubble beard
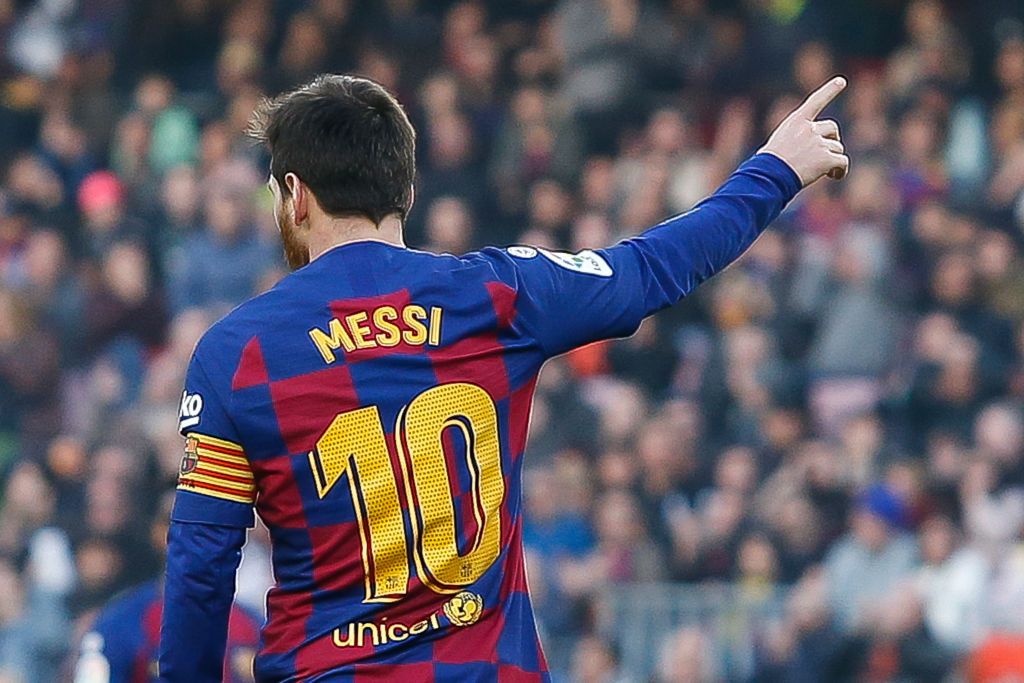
point(295, 252)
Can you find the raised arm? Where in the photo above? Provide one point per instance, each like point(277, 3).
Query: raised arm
point(566, 300)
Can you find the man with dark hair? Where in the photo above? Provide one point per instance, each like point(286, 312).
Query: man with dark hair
point(373, 406)
point(371, 175)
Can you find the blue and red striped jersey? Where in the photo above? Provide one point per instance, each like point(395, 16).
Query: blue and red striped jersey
point(373, 409)
point(128, 630)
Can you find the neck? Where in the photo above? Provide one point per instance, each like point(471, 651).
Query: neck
point(333, 232)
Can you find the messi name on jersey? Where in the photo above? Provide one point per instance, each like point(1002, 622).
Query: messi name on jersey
point(384, 326)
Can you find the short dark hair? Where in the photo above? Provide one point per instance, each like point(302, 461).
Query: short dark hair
point(348, 139)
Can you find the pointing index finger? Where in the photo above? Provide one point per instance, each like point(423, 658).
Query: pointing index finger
point(820, 98)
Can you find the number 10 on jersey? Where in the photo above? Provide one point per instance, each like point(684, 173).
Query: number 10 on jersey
point(355, 445)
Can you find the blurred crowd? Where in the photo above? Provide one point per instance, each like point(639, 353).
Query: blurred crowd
point(838, 418)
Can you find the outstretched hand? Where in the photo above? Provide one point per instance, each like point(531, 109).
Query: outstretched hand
point(812, 148)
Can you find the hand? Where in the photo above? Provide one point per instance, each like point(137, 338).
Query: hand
point(811, 148)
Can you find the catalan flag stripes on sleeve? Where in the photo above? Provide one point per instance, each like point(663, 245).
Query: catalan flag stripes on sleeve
point(218, 468)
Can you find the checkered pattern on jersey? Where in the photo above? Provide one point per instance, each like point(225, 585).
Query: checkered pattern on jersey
point(284, 396)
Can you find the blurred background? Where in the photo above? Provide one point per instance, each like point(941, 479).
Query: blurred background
point(811, 470)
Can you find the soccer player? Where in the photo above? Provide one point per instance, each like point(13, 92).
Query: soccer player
point(121, 645)
point(373, 406)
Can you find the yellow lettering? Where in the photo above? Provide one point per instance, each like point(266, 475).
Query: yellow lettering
point(384, 318)
point(326, 343)
point(418, 628)
point(435, 326)
point(393, 633)
point(338, 642)
point(360, 332)
point(413, 316)
point(372, 628)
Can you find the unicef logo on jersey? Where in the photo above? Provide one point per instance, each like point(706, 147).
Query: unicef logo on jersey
point(189, 412)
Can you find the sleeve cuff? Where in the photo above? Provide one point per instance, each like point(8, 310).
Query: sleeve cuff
point(777, 170)
point(195, 508)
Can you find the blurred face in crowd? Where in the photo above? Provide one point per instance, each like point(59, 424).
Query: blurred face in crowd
point(871, 530)
point(667, 132)
point(953, 281)
point(946, 458)
point(930, 224)
point(800, 524)
point(98, 563)
point(999, 433)
point(592, 661)
point(31, 180)
point(66, 458)
point(44, 258)
point(622, 412)
point(686, 658)
point(450, 143)
point(449, 227)
point(106, 506)
point(757, 559)
point(541, 494)
point(917, 138)
point(616, 469)
point(226, 215)
point(126, 272)
point(62, 138)
point(782, 428)
point(13, 318)
point(153, 94)
point(305, 45)
point(656, 449)
point(28, 497)
point(958, 379)
point(812, 66)
point(870, 194)
point(181, 193)
point(937, 540)
point(736, 470)
point(618, 519)
point(1010, 64)
point(549, 205)
point(598, 184)
point(723, 514)
point(904, 478)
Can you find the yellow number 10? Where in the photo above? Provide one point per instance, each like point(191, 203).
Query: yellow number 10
point(354, 444)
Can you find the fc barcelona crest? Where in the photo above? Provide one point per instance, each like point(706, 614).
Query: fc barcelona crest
point(191, 457)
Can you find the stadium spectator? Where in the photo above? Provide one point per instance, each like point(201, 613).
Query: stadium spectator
point(871, 560)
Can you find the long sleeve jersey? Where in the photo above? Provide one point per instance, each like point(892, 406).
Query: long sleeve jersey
point(372, 408)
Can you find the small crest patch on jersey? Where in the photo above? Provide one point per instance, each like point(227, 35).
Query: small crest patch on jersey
point(587, 261)
point(191, 457)
point(522, 252)
point(464, 609)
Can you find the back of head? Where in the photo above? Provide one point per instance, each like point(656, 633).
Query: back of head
point(347, 139)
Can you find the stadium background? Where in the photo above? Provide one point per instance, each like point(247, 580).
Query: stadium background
point(811, 469)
